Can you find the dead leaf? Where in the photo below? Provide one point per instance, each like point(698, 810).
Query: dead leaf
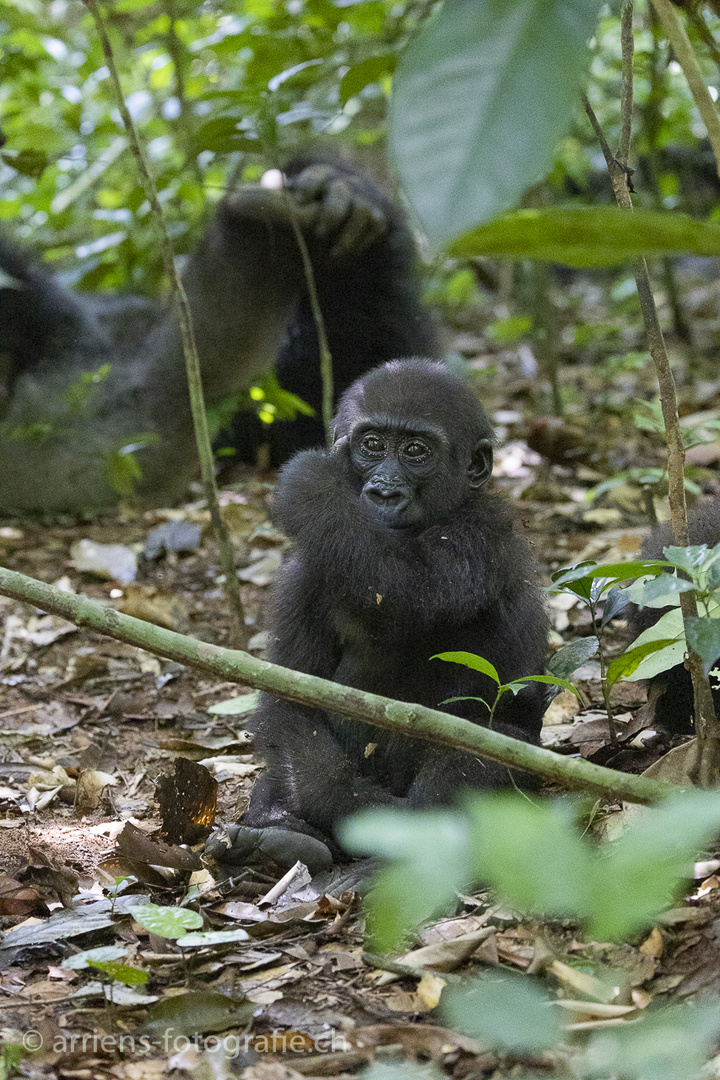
point(653, 944)
point(430, 988)
point(89, 788)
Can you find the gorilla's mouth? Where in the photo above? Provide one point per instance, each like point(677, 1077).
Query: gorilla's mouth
point(392, 505)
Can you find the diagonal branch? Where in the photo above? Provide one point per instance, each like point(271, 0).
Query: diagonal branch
point(417, 721)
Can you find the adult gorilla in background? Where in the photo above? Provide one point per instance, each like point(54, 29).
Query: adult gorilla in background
point(66, 422)
point(398, 553)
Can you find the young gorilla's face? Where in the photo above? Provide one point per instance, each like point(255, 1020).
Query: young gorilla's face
point(396, 463)
point(410, 471)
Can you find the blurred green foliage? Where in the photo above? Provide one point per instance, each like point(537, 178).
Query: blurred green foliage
point(215, 90)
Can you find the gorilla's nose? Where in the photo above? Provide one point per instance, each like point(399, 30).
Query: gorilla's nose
point(385, 491)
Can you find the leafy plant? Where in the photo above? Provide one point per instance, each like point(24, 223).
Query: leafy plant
point(480, 664)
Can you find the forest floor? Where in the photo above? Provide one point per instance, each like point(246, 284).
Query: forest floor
point(88, 726)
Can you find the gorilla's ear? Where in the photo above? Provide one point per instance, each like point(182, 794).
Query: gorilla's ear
point(481, 463)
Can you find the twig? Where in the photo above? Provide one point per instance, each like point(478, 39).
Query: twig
point(326, 365)
point(192, 360)
point(402, 718)
point(280, 886)
point(685, 56)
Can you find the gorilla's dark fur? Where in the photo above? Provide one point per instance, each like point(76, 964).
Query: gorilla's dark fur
point(398, 553)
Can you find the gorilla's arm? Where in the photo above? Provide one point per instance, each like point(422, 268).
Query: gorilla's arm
point(245, 283)
point(370, 294)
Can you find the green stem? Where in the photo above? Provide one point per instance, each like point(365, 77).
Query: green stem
point(192, 359)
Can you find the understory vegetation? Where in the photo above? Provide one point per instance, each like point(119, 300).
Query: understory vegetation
point(558, 162)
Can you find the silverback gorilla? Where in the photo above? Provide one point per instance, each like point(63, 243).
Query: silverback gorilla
point(398, 553)
point(64, 418)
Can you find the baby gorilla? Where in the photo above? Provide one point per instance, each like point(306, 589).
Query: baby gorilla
point(397, 553)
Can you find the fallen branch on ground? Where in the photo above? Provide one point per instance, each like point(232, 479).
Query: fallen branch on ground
point(417, 721)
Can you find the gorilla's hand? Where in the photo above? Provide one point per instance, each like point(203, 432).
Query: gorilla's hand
point(338, 208)
point(337, 205)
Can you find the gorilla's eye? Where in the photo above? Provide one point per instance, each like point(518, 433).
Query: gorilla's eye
point(373, 444)
point(416, 450)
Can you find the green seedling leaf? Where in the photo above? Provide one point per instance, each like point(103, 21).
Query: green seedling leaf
point(123, 973)
point(468, 659)
point(689, 559)
point(661, 591)
point(236, 706)
point(642, 871)
point(615, 602)
point(197, 1012)
point(669, 627)
point(478, 72)
point(572, 656)
point(213, 937)
point(703, 637)
point(585, 236)
point(167, 922)
point(622, 667)
point(465, 697)
point(549, 680)
point(102, 954)
point(531, 853)
point(614, 572)
point(505, 1013)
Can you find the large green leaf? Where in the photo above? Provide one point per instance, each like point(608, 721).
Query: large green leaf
point(480, 99)
point(507, 1012)
point(589, 235)
point(644, 869)
point(429, 863)
point(531, 853)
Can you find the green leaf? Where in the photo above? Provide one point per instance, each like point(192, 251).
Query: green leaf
point(550, 680)
point(429, 849)
point(167, 922)
point(572, 656)
point(643, 870)
point(589, 236)
point(689, 559)
point(236, 706)
point(531, 853)
point(476, 76)
point(615, 602)
point(361, 75)
point(627, 664)
point(669, 627)
point(468, 659)
point(128, 976)
point(222, 136)
point(27, 162)
point(660, 591)
point(669, 1044)
point(102, 954)
point(504, 1013)
point(213, 937)
point(703, 637)
point(621, 571)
